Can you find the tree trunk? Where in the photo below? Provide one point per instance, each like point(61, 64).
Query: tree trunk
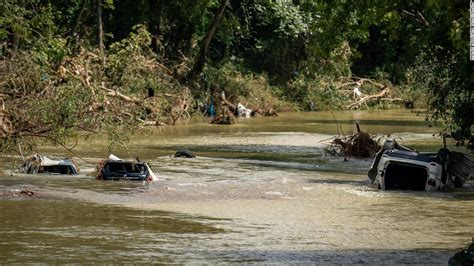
point(78, 18)
point(16, 38)
point(99, 26)
point(201, 58)
point(15, 44)
point(156, 8)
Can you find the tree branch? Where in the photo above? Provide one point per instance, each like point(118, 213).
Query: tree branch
point(417, 16)
point(367, 98)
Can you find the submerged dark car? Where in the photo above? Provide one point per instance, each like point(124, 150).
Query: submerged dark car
point(116, 169)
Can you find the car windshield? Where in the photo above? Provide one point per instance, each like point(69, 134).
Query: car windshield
point(127, 167)
point(59, 169)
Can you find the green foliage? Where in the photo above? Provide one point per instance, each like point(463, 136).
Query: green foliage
point(320, 92)
point(286, 18)
point(434, 74)
point(126, 63)
point(249, 89)
point(265, 52)
point(50, 52)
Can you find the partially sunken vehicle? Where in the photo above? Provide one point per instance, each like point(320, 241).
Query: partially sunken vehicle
point(399, 168)
point(40, 164)
point(114, 168)
point(184, 153)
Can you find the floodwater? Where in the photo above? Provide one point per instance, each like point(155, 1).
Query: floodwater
point(260, 191)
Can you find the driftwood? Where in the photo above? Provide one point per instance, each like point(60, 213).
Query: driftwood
point(267, 111)
point(232, 107)
point(381, 96)
point(123, 97)
point(361, 81)
point(359, 145)
point(179, 107)
point(225, 118)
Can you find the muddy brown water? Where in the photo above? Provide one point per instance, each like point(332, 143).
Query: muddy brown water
point(261, 191)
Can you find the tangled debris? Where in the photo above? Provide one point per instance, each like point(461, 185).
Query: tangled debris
point(229, 111)
point(17, 193)
point(28, 193)
point(359, 145)
point(373, 91)
point(52, 100)
point(226, 117)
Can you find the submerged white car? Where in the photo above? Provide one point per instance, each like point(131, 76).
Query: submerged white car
point(40, 164)
point(398, 168)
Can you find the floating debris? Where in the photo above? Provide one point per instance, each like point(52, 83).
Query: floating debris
point(359, 145)
point(27, 193)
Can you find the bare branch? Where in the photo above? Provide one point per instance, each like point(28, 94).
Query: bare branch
point(417, 16)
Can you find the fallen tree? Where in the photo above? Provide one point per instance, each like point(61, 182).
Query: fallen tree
point(55, 98)
point(384, 93)
point(233, 108)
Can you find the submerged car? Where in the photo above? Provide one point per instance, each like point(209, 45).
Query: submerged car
point(40, 164)
point(115, 168)
point(185, 153)
point(399, 168)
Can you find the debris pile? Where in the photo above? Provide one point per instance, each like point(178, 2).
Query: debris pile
point(359, 145)
point(28, 193)
point(229, 111)
point(84, 92)
point(226, 117)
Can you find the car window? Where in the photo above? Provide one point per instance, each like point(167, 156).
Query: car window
point(125, 168)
